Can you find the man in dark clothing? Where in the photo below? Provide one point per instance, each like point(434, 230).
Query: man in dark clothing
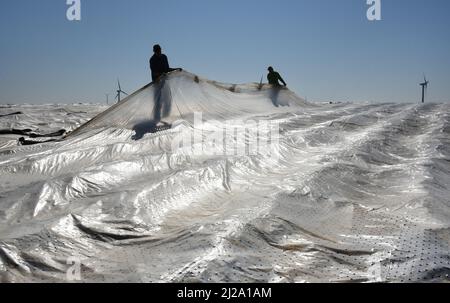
point(159, 64)
point(273, 77)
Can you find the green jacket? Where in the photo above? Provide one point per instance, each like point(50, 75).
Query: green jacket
point(274, 77)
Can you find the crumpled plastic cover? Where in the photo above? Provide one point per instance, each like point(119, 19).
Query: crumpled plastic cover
point(348, 193)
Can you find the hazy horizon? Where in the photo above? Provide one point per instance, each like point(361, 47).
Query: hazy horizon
point(326, 50)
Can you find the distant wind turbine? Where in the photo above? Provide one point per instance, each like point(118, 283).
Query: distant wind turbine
point(107, 99)
point(424, 87)
point(120, 91)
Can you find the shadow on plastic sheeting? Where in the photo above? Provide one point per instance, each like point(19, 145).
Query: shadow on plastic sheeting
point(148, 127)
point(163, 101)
point(161, 109)
point(274, 96)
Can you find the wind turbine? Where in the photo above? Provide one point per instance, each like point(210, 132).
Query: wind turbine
point(107, 99)
point(424, 87)
point(119, 91)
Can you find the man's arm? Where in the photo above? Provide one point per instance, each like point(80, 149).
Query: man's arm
point(281, 79)
point(167, 66)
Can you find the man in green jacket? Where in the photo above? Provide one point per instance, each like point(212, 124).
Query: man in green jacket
point(274, 77)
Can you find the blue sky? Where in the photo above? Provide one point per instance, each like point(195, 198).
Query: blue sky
point(325, 49)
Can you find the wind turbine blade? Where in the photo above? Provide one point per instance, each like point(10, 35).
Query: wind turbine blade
point(118, 82)
point(123, 92)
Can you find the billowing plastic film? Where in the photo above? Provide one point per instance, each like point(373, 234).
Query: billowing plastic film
point(179, 95)
point(345, 192)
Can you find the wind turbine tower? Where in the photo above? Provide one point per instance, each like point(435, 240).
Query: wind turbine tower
point(120, 91)
point(424, 87)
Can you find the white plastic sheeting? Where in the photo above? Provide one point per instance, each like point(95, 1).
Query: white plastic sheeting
point(349, 192)
point(181, 94)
